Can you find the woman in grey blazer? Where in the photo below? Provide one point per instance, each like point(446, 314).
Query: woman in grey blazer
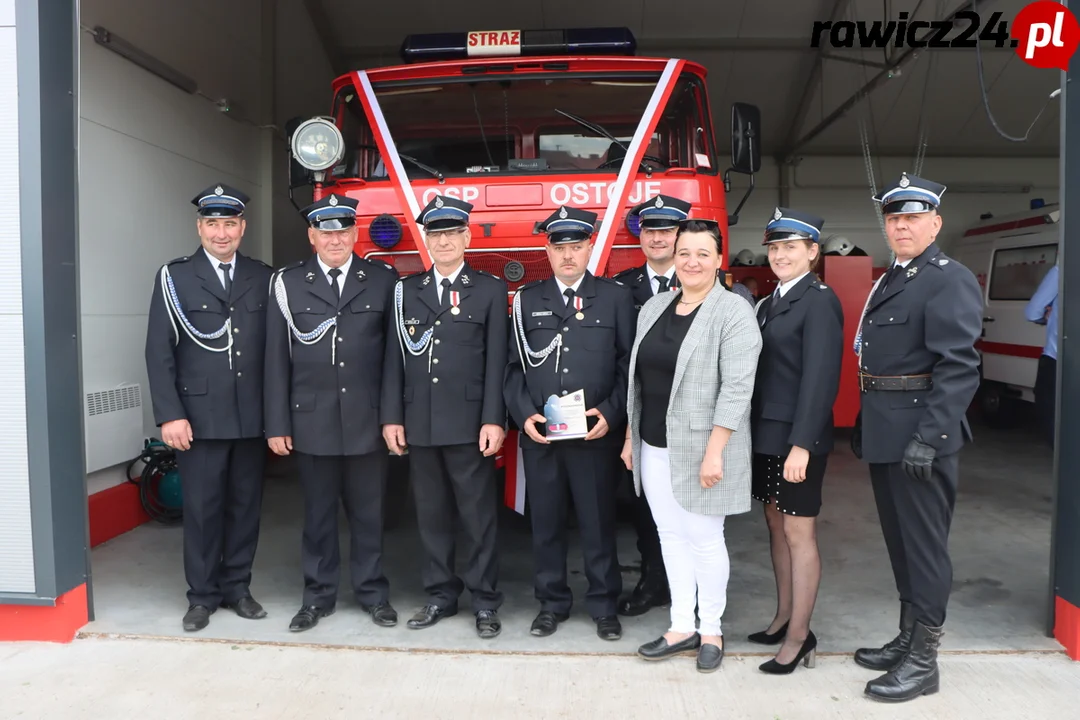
point(688, 437)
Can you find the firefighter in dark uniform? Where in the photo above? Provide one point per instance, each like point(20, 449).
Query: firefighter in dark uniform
point(918, 371)
point(330, 319)
point(798, 376)
point(658, 219)
point(444, 402)
point(204, 358)
point(573, 331)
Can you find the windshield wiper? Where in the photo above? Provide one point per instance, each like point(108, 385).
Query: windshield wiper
point(600, 131)
point(422, 166)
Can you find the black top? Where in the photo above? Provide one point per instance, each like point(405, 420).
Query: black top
point(657, 355)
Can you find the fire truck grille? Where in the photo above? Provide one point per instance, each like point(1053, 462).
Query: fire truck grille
point(517, 267)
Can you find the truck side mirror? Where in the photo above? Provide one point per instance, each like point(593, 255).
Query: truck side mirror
point(745, 138)
point(745, 149)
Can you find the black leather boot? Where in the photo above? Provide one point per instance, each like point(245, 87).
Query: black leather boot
point(651, 591)
point(892, 653)
point(918, 672)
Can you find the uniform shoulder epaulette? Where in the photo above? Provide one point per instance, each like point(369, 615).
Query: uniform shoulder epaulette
point(941, 261)
point(610, 281)
point(176, 261)
point(291, 266)
point(820, 286)
point(625, 274)
point(526, 286)
point(380, 264)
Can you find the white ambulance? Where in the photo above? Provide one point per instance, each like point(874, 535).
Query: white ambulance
point(1009, 255)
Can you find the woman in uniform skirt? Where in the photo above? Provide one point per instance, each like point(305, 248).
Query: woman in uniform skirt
point(798, 375)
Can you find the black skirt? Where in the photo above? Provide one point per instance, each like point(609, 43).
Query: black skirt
point(800, 499)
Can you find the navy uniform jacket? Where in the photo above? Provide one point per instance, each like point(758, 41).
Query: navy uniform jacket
point(641, 287)
point(328, 400)
point(927, 321)
point(190, 382)
point(595, 352)
point(798, 374)
point(447, 403)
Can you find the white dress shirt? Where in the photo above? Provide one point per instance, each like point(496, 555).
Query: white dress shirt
point(221, 273)
point(563, 287)
point(653, 285)
point(340, 278)
point(452, 277)
point(782, 288)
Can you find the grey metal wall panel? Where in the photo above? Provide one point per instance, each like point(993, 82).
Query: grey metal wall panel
point(16, 537)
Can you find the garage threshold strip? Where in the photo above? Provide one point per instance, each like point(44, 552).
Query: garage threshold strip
point(473, 651)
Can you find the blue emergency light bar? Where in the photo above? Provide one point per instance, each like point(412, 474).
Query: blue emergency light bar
point(514, 43)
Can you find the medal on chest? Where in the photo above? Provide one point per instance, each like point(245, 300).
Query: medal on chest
point(578, 304)
point(455, 301)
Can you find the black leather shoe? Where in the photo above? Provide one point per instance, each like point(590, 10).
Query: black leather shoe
point(247, 608)
point(917, 673)
point(646, 596)
point(891, 654)
point(382, 614)
point(766, 638)
point(197, 617)
point(660, 649)
point(488, 624)
point(547, 622)
point(429, 615)
point(608, 627)
point(709, 658)
point(308, 617)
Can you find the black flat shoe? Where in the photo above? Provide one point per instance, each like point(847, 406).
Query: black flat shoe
point(429, 615)
point(765, 638)
point(247, 608)
point(382, 614)
point(807, 652)
point(487, 624)
point(660, 649)
point(709, 658)
point(308, 617)
point(197, 617)
point(547, 622)
point(608, 627)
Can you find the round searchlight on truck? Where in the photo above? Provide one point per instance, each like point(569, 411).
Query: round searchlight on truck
point(317, 144)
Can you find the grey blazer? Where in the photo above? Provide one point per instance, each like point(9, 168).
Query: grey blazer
point(713, 385)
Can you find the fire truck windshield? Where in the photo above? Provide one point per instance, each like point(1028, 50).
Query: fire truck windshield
point(526, 125)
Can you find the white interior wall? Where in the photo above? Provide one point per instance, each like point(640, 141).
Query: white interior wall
point(146, 148)
point(838, 189)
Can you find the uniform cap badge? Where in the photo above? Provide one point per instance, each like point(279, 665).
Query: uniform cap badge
point(562, 213)
point(438, 202)
point(777, 214)
point(219, 190)
point(904, 182)
point(333, 200)
point(659, 202)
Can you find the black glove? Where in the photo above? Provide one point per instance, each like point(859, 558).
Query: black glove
point(856, 436)
point(919, 459)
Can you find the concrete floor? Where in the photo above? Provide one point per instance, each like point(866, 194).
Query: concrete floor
point(195, 680)
point(1000, 547)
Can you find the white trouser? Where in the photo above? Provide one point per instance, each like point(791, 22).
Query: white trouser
point(695, 554)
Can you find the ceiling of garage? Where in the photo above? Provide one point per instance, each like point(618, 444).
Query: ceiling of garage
point(759, 51)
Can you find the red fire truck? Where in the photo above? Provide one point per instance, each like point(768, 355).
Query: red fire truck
point(518, 123)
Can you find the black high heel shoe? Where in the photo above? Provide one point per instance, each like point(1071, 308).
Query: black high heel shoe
point(807, 653)
point(764, 638)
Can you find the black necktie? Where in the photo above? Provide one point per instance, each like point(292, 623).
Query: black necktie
point(445, 303)
point(774, 301)
point(569, 293)
point(334, 274)
point(661, 284)
point(893, 274)
point(224, 268)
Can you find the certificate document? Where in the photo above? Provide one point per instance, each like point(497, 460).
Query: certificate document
point(565, 416)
